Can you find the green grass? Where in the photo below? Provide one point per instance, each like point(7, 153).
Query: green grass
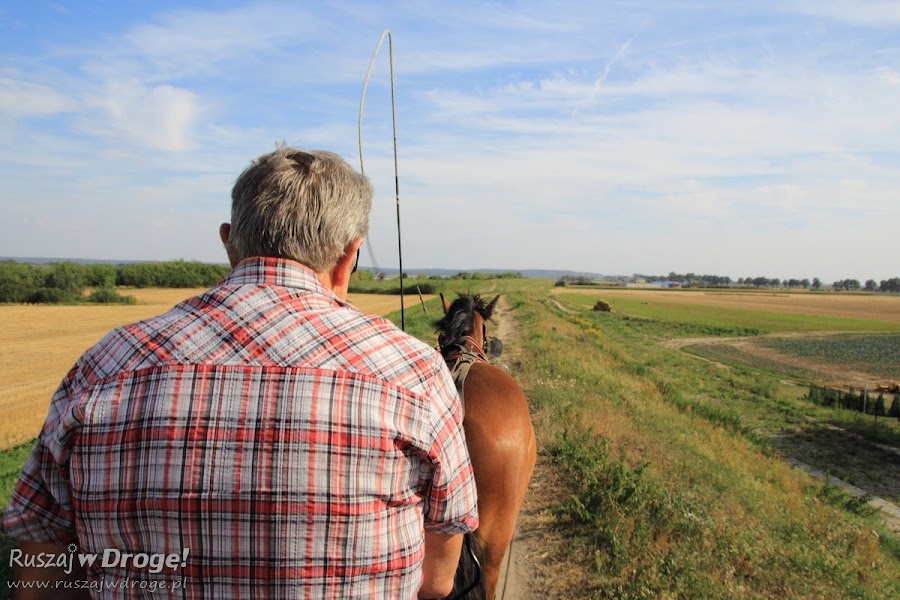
point(725, 318)
point(11, 462)
point(676, 485)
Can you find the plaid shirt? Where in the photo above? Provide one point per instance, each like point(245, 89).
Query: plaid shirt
point(294, 445)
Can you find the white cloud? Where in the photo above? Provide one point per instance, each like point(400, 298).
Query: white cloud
point(20, 98)
point(159, 117)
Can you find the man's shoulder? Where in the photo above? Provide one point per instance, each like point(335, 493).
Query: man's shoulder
point(384, 350)
point(131, 346)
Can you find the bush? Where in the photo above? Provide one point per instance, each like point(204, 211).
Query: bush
point(108, 295)
point(879, 410)
point(67, 277)
point(101, 275)
point(18, 281)
point(49, 296)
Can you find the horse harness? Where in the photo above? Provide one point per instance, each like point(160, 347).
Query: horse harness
point(460, 359)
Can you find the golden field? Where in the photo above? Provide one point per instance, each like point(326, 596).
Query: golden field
point(40, 343)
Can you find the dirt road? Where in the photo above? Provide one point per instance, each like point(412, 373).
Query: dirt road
point(524, 575)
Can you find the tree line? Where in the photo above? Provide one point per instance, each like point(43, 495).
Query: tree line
point(366, 274)
point(693, 280)
point(65, 282)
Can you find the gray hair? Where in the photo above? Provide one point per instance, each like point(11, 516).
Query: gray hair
point(303, 206)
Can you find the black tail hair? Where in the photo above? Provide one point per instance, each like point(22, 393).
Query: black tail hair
point(469, 581)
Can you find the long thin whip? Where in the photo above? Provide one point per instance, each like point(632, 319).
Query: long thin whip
point(362, 168)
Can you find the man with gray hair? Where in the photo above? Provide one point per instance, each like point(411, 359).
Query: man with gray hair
point(274, 439)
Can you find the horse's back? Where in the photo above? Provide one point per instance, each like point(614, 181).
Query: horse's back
point(499, 434)
point(500, 437)
point(495, 401)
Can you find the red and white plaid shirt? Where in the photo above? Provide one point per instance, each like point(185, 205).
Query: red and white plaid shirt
point(294, 445)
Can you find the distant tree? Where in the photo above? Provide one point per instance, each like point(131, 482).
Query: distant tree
point(100, 275)
point(890, 285)
point(871, 286)
point(879, 406)
point(804, 283)
point(895, 407)
point(67, 277)
point(139, 275)
point(18, 281)
point(816, 283)
point(847, 284)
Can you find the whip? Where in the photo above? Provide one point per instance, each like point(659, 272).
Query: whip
point(362, 168)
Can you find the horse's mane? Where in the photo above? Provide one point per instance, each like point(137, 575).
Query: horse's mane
point(457, 323)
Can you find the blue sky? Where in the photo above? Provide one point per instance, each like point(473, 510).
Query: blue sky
point(731, 138)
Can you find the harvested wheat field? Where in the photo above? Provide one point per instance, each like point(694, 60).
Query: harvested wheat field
point(879, 307)
point(40, 343)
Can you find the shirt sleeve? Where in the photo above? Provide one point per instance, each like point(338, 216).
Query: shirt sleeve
point(40, 509)
point(451, 501)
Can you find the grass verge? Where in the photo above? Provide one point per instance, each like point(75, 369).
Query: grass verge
point(678, 486)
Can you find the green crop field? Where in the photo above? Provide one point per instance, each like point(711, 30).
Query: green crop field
point(879, 353)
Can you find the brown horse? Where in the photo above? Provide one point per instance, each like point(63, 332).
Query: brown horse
point(499, 433)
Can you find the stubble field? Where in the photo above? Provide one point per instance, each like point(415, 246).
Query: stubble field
point(40, 343)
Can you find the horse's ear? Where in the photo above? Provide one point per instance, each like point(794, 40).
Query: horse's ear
point(489, 309)
point(444, 303)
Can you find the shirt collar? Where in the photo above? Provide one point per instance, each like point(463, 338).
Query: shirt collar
point(267, 270)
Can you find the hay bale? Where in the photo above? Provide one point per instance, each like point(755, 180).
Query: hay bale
point(603, 306)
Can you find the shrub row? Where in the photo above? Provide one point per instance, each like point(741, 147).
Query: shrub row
point(860, 402)
point(65, 281)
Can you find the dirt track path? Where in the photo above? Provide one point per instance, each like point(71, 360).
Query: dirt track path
point(524, 575)
point(516, 573)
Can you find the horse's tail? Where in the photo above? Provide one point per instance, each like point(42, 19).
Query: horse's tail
point(469, 581)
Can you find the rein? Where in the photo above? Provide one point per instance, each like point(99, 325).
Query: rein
point(478, 351)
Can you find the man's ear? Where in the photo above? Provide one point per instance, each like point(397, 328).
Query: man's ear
point(340, 274)
point(225, 236)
